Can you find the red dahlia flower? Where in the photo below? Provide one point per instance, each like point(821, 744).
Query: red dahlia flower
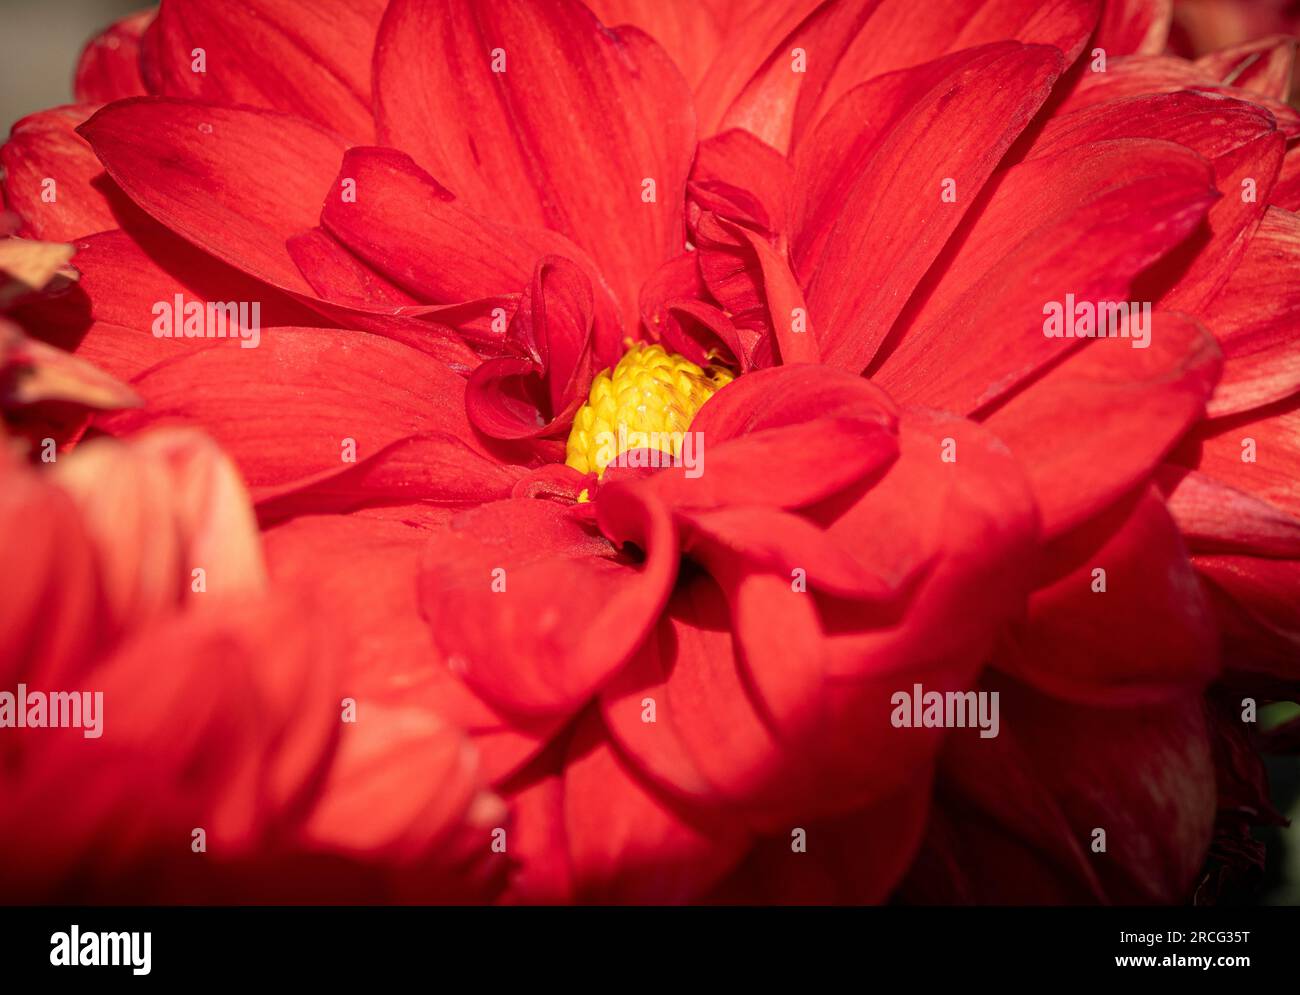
point(811, 246)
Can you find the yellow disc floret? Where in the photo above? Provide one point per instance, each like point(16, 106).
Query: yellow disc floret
point(647, 402)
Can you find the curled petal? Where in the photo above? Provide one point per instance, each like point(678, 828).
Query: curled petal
point(498, 586)
point(521, 398)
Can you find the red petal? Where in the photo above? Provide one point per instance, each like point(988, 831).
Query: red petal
point(356, 296)
point(896, 37)
point(235, 743)
point(824, 429)
point(52, 621)
point(337, 275)
point(703, 334)
point(405, 789)
point(537, 845)
point(963, 530)
point(109, 67)
point(1106, 385)
point(835, 869)
point(630, 844)
point(777, 103)
point(159, 508)
point(563, 138)
point(523, 647)
point(1132, 75)
point(1147, 636)
point(752, 80)
point(688, 32)
point(1215, 517)
point(730, 270)
point(1262, 65)
point(409, 228)
point(737, 676)
point(188, 165)
point(45, 146)
point(1101, 214)
point(1256, 601)
point(712, 738)
point(204, 191)
point(1014, 816)
point(855, 290)
point(686, 671)
point(1286, 191)
point(126, 276)
point(782, 542)
point(752, 280)
point(739, 177)
point(1201, 270)
point(796, 339)
point(1239, 504)
point(679, 278)
point(285, 409)
point(526, 398)
point(754, 33)
point(1256, 319)
point(1210, 124)
point(791, 396)
point(359, 574)
point(735, 722)
point(1219, 449)
point(281, 55)
point(1240, 140)
point(957, 540)
point(1134, 26)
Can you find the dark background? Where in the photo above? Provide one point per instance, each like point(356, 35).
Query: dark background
point(39, 44)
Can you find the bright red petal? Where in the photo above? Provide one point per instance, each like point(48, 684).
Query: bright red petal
point(1100, 214)
point(855, 288)
point(564, 134)
point(1106, 385)
point(1134, 26)
point(688, 32)
point(281, 55)
point(629, 844)
point(349, 415)
point(499, 586)
point(188, 165)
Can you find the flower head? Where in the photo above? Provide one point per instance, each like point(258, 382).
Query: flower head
point(957, 324)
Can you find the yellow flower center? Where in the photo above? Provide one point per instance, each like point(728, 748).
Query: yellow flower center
point(647, 402)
